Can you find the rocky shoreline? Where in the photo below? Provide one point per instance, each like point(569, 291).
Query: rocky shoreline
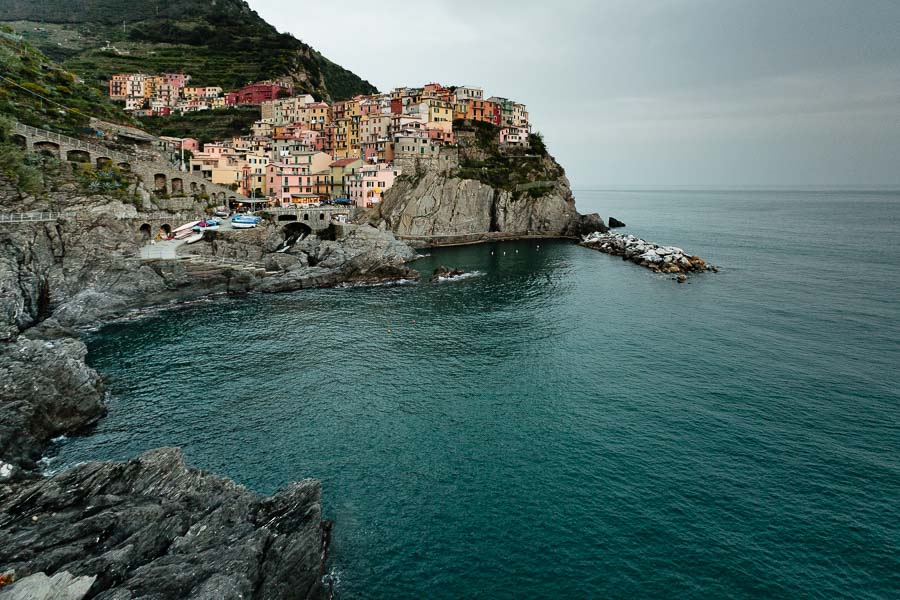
point(60, 276)
point(150, 527)
point(660, 259)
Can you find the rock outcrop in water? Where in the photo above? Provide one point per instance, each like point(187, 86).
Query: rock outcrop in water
point(444, 273)
point(361, 254)
point(155, 528)
point(46, 390)
point(662, 259)
point(480, 192)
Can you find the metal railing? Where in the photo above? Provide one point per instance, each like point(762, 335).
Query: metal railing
point(35, 217)
point(286, 210)
point(49, 216)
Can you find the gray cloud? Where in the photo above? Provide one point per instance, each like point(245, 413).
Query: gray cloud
point(656, 92)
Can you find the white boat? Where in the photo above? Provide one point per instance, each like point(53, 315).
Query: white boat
point(243, 224)
point(194, 238)
point(187, 226)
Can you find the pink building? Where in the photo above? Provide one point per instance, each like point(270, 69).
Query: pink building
point(515, 137)
point(290, 184)
point(368, 186)
point(189, 144)
point(298, 179)
point(177, 80)
point(313, 141)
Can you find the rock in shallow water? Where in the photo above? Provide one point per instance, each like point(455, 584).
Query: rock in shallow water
point(155, 528)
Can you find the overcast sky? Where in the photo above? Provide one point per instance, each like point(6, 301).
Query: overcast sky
point(650, 92)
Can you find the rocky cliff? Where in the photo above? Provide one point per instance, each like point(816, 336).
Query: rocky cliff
point(477, 191)
point(155, 528)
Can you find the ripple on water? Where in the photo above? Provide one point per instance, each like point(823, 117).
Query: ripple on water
point(563, 424)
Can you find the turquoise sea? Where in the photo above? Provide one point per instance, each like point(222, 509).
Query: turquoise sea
point(564, 424)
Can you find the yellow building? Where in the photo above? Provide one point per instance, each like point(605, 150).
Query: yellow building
point(440, 111)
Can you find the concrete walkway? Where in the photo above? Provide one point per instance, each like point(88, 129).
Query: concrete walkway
point(168, 250)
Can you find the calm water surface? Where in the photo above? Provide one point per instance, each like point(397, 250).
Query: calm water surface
point(566, 424)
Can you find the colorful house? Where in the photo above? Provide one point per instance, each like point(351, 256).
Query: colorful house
point(367, 187)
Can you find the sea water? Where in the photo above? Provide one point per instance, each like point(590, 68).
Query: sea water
point(565, 424)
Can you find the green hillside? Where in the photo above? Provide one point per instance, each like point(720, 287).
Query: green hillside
point(35, 91)
point(218, 42)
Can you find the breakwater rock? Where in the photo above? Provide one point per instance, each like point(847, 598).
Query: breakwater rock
point(156, 528)
point(662, 259)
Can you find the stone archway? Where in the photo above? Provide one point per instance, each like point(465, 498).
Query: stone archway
point(287, 217)
point(146, 231)
point(166, 229)
point(78, 156)
point(159, 183)
point(177, 186)
point(103, 162)
point(295, 232)
point(47, 148)
point(193, 187)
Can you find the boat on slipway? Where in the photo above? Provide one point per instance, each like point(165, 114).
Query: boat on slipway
point(245, 221)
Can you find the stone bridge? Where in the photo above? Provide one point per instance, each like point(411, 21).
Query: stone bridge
point(316, 218)
point(158, 176)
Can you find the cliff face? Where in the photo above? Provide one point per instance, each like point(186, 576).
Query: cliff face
point(442, 204)
point(477, 192)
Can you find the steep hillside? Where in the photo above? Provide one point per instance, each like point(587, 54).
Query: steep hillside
point(37, 92)
point(218, 42)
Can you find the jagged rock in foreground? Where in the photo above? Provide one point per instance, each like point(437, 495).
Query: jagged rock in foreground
point(155, 528)
point(46, 390)
point(62, 586)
